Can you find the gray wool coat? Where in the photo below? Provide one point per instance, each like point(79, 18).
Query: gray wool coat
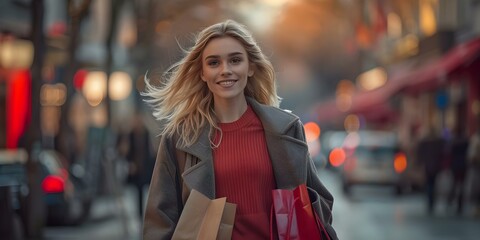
point(288, 152)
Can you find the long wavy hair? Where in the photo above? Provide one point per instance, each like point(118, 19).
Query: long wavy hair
point(183, 102)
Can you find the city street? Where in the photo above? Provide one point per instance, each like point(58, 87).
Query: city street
point(111, 219)
point(376, 213)
point(369, 213)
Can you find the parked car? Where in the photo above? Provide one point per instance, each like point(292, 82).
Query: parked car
point(368, 157)
point(66, 201)
point(13, 192)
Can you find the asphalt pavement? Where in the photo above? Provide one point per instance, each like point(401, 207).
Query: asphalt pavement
point(377, 213)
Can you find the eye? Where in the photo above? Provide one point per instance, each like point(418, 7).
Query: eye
point(212, 62)
point(236, 60)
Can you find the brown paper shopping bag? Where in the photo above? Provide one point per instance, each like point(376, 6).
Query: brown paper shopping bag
point(205, 219)
point(226, 224)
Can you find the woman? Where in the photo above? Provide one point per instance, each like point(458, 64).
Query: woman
point(225, 136)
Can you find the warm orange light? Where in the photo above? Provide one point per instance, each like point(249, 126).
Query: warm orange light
point(53, 94)
point(428, 20)
point(120, 85)
point(16, 54)
point(343, 102)
point(163, 26)
point(95, 87)
point(372, 79)
point(337, 157)
point(400, 162)
point(351, 123)
point(312, 131)
point(344, 93)
point(394, 26)
point(345, 87)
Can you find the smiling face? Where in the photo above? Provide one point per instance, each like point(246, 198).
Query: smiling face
point(225, 69)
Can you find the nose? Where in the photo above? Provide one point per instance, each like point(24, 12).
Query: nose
point(226, 69)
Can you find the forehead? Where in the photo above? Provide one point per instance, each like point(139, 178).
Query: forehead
point(223, 46)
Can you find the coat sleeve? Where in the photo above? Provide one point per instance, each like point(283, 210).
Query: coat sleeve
point(322, 201)
point(162, 207)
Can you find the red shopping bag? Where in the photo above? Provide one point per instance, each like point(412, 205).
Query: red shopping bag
point(294, 216)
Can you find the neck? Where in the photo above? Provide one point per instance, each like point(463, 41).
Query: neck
point(230, 111)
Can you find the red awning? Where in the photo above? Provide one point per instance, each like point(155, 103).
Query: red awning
point(380, 113)
point(405, 77)
point(373, 104)
point(374, 108)
point(433, 74)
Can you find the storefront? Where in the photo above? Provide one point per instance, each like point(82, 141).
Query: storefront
point(445, 91)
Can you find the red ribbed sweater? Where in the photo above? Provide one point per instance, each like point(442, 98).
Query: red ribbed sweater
point(244, 174)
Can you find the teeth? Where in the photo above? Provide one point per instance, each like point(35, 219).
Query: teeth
point(226, 83)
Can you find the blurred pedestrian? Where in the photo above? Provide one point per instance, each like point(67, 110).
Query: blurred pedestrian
point(225, 136)
point(431, 153)
point(458, 166)
point(474, 163)
point(141, 158)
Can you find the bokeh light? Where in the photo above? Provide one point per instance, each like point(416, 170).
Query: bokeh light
point(337, 157)
point(95, 87)
point(120, 85)
point(312, 131)
point(400, 162)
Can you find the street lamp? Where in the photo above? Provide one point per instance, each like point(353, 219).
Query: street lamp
point(119, 85)
point(372, 79)
point(16, 54)
point(95, 87)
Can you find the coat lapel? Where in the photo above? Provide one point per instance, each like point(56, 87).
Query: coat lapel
point(201, 175)
point(288, 154)
point(288, 161)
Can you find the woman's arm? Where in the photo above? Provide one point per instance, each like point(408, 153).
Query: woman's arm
point(162, 209)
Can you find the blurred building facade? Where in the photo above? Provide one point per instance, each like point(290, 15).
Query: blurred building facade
point(418, 62)
point(54, 89)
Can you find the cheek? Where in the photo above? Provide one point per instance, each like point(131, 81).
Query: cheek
point(206, 74)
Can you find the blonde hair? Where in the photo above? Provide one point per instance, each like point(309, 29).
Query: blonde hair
point(183, 101)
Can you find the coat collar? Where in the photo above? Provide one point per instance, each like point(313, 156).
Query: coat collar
point(277, 122)
point(201, 177)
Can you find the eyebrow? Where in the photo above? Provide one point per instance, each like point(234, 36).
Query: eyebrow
point(229, 55)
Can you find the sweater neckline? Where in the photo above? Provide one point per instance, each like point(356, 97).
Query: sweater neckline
point(247, 117)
